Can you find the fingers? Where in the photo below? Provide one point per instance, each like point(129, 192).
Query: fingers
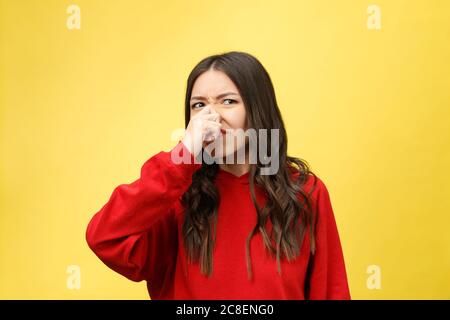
point(212, 124)
point(213, 117)
point(207, 111)
point(211, 130)
point(207, 123)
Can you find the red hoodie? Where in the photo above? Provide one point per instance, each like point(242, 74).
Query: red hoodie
point(137, 233)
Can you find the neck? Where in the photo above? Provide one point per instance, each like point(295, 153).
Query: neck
point(238, 169)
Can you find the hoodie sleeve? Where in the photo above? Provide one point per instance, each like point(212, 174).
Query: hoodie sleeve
point(327, 278)
point(135, 233)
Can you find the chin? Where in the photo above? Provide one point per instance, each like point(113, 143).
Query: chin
point(223, 153)
point(219, 154)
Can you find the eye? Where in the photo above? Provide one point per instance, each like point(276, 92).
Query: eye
point(231, 101)
point(195, 104)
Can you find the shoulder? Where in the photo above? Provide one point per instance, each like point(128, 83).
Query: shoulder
point(314, 188)
point(311, 183)
point(316, 185)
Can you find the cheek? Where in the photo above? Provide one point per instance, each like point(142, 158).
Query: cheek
point(238, 118)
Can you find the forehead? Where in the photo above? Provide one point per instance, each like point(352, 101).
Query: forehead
point(213, 83)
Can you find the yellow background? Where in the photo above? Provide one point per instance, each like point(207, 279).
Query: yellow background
point(81, 111)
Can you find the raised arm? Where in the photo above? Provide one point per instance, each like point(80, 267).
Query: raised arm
point(135, 232)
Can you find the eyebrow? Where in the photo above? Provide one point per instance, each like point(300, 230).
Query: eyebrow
point(218, 97)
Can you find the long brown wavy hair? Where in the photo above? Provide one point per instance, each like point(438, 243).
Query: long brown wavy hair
point(290, 217)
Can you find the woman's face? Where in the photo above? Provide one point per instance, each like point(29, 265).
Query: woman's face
point(216, 89)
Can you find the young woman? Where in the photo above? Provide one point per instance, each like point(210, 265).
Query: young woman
point(223, 230)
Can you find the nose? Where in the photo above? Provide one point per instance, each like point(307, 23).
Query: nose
point(212, 105)
point(214, 110)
